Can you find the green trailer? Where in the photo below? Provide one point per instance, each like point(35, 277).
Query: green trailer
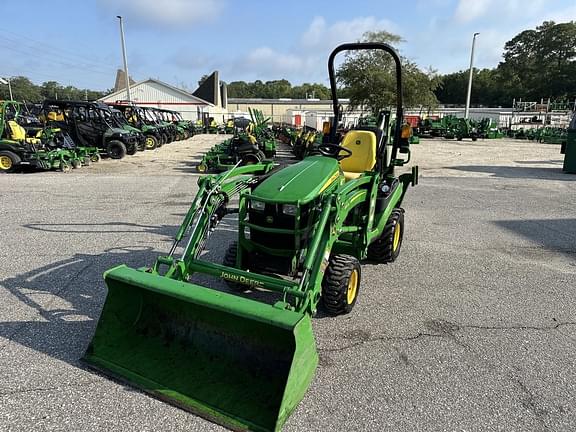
point(230, 356)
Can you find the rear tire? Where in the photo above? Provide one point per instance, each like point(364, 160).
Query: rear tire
point(386, 248)
point(76, 163)
point(116, 149)
point(341, 284)
point(8, 161)
point(95, 157)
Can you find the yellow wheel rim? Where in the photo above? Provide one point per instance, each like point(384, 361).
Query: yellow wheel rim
point(149, 142)
point(396, 241)
point(201, 168)
point(5, 163)
point(352, 287)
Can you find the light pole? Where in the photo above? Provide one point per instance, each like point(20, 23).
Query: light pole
point(7, 81)
point(467, 109)
point(127, 77)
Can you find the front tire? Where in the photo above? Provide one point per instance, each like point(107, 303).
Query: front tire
point(341, 284)
point(151, 142)
point(131, 149)
point(386, 248)
point(116, 149)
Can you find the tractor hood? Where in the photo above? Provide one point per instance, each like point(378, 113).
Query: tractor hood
point(301, 182)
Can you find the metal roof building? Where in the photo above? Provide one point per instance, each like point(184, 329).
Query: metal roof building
point(155, 93)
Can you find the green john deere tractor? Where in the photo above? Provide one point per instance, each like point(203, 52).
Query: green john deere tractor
point(302, 233)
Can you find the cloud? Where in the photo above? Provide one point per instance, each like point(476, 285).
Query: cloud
point(320, 35)
point(470, 10)
point(306, 59)
point(497, 10)
point(166, 13)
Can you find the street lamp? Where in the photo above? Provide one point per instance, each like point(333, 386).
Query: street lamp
point(7, 81)
point(467, 109)
point(125, 59)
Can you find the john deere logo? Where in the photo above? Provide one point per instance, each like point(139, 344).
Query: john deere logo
point(269, 219)
point(242, 280)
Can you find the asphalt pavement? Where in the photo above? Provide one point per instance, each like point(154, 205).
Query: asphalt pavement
point(471, 329)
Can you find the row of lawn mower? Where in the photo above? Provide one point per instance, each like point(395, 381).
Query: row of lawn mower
point(451, 127)
point(547, 134)
point(252, 143)
point(66, 134)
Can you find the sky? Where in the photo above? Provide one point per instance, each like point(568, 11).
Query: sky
point(77, 42)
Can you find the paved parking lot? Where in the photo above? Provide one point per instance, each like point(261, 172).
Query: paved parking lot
point(472, 328)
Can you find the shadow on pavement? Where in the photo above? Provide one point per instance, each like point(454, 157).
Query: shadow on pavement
point(517, 172)
point(108, 227)
point(556, 235)
point(63, 300)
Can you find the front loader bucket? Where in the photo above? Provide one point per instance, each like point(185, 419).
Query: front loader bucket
point(235, 361)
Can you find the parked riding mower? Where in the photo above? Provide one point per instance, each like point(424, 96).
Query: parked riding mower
point(18, 150)
point(252, 143)
point(303, 231)
point(241, 149)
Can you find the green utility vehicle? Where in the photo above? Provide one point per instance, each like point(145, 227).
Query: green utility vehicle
point(136, 117)
point(89, 124)
point(183, 127)
point(156, 117)
point(303, 232)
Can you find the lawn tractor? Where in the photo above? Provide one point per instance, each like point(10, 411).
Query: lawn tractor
point(303, 230)
point(90, 124)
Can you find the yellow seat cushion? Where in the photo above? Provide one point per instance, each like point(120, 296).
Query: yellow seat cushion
point(363, 145)
point(17, 132)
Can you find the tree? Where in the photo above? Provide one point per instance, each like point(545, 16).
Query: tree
point(540, 63)
point(22, 90)
point(370, 80)
point(202, 79)
point(308, 90)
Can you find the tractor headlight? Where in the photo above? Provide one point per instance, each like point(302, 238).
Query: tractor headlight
point(257, 205)
point(289, 209)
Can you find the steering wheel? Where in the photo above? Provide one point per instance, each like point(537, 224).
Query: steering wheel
point(333, 150)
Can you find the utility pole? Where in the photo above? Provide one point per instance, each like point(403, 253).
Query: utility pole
point(467, 109)
point(7, 81)
point(125, 59)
